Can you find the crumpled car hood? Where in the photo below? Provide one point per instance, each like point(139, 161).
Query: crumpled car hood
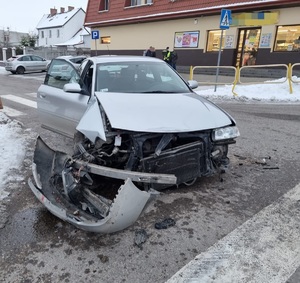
point(161, 113)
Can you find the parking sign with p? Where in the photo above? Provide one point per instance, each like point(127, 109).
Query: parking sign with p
point(95, 34)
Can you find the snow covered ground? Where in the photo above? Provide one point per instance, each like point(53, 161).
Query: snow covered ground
point(13, 137)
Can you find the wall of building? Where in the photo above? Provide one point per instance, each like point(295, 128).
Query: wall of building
point(10, 38)
point(135, 38)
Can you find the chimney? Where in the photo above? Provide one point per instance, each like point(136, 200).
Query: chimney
point(53, 11)
point(70, 8)
point(62, 10)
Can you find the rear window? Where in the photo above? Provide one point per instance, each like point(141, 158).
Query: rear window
point(12, 58)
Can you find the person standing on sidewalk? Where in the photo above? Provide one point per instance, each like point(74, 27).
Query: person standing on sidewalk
point(167, 55)
point(174, 58)
point(151, 52)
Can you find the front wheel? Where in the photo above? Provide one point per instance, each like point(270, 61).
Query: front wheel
point(20, 70)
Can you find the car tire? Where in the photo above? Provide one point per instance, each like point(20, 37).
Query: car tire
point(20, 70)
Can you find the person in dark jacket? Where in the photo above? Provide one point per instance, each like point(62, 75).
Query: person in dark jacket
point(151, 52)
point(174, 58)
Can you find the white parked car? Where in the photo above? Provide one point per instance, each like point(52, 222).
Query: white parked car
point(26, 63)
point(138, 127)
point(74, 60)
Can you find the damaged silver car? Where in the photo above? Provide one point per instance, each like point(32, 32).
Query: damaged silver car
point(138, 128)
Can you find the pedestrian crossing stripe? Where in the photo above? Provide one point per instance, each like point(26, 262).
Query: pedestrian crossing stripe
point(11, 112)
point(20, 100)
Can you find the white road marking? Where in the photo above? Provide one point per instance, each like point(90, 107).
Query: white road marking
point(40, 77)
point(20, 100)
point(32, 94)
point(265, 249)
point(11, 112)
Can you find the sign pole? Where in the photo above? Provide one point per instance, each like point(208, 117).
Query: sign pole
point(219, 59)
point(96, 47)
point(96, 36)
point(224, 24)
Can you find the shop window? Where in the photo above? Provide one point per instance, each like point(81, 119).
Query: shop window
point(104, 5)
point(287, 38)
point(132, 3)
point(105, 40)
point(214, 40)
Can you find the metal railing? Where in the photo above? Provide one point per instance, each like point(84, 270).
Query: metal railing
point(246, 75)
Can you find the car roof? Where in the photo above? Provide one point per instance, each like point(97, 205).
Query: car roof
point(70, 56)
point(122, 58)
point(64, 57)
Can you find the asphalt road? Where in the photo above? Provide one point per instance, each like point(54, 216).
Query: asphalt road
point(38, 247)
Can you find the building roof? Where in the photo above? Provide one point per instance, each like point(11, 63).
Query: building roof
point(173, 9)
point(77, 39)
point(56, 20)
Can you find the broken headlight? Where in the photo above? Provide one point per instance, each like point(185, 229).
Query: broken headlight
point(225, 133)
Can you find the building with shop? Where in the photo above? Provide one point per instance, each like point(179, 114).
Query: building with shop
point(260, 32)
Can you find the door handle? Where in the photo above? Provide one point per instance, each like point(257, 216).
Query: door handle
point(42, 95)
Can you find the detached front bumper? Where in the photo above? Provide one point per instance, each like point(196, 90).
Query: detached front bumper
point(124, 211)
point(53, 180)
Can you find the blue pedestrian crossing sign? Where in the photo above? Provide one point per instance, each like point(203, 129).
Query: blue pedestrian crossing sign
point(226, 19)
point(95, 34)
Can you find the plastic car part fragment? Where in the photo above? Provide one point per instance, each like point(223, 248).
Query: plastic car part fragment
point(166, 223)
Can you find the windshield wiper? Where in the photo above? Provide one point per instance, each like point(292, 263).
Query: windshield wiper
point(159, 91)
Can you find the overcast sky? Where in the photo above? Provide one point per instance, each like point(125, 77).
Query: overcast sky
point(23, 16)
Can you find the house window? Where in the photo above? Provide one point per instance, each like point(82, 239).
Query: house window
point(50, 33)
point(42, 34)
point(130, 3)
point(287, 38)
point(104, 5)
point(214, 40)
point(57, 33)
point(105, 40)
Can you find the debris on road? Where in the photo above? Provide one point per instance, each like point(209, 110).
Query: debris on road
point(168, 222)
point(140, 237)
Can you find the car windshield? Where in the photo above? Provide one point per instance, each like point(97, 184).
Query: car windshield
point(138, 77)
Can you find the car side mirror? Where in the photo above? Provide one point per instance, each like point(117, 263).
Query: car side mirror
point(72, 87)
point(193, 84)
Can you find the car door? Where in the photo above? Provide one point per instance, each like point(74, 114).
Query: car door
point(27, 63)
point(58, 110)
point(38, 63)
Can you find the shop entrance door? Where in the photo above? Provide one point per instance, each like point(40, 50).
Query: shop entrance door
point(248, 42)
